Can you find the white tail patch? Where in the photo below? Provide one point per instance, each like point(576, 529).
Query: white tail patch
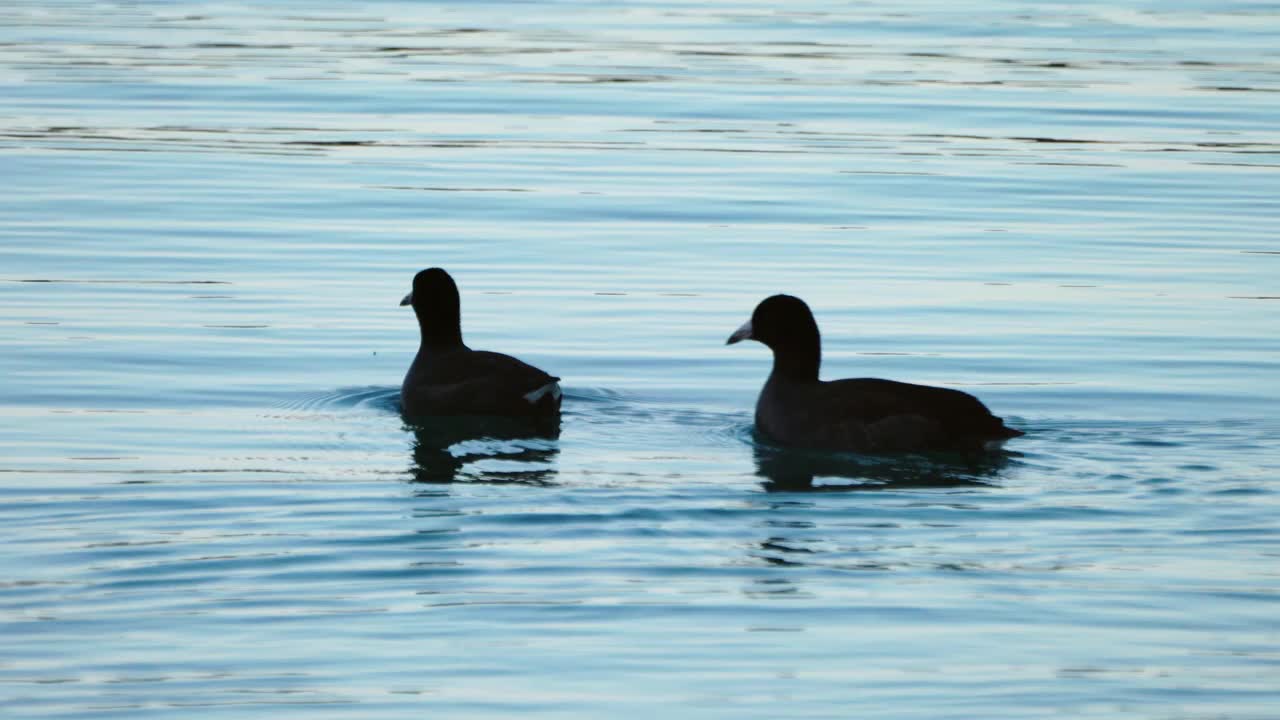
point(551, 388)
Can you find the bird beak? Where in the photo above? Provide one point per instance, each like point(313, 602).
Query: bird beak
point(742, 333)
point(408, 300)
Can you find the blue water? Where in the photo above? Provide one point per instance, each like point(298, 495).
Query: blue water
point(210, 507)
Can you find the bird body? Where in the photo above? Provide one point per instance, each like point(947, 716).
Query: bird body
point(462, 381)
point(796, 408)
point(874, 415)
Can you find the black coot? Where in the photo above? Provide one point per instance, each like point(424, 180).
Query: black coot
point(862, 414)
point(449, 378)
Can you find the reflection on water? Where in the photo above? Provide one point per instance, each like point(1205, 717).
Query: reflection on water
point(795, 470)
point(484, 450)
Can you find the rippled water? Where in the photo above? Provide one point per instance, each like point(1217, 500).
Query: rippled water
point(210, 505)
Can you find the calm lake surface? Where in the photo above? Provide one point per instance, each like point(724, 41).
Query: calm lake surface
point(209, 506)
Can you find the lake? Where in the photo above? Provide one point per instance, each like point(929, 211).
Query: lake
point(211, 507)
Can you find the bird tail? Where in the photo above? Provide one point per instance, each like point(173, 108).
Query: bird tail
point(1004, 432)
point(552, 388)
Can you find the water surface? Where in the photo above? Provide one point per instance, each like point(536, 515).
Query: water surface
point(211, 506)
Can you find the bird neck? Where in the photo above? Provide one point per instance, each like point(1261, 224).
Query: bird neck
point(799, 362)
point(442, 330)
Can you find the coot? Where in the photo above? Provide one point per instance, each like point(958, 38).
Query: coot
point(857, 414)
point(449, 378)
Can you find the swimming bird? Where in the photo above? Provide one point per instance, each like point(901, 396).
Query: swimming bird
point(449, 378)
point(857, 414)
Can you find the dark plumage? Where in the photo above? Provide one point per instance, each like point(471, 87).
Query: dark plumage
point(449, 378)
point(862, 414)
